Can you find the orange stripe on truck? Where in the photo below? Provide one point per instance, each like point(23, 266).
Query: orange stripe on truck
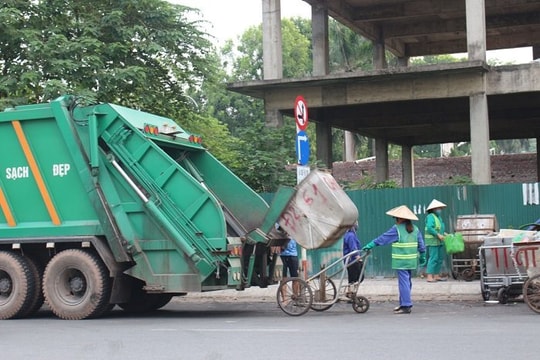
point(35, 171)
point(7, 211)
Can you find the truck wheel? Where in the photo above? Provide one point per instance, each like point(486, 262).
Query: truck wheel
point(76, 285)
point(38, 299)
point(141, 302)
point(17, 288)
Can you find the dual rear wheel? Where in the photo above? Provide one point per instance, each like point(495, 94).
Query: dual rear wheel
point(20, 293)
point(75, 285)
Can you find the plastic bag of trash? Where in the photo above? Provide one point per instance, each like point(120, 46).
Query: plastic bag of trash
point(454, 243)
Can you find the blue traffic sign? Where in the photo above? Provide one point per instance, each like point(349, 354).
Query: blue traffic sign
point(302, 147)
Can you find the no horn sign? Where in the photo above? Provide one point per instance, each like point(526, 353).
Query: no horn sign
point(301, 113)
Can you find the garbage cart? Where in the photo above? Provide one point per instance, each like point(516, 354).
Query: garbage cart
point(502, 269)
point(465, 265)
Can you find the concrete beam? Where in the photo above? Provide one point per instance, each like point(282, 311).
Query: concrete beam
point(493, 42)
point(396, 84)
point(456, 28)
point(406, 10)
point(393, 88)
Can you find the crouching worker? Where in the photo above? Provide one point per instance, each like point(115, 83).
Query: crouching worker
point(406, 242)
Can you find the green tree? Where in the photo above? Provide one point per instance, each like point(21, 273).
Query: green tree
point(347, 50)
point(142, 54)
point(266, 153)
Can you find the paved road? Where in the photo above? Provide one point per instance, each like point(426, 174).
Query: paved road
point(221, 330)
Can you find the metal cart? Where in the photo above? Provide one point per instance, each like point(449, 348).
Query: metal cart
point(505, 265)
point(319, 292)
point(465, 265)
point(528, 255)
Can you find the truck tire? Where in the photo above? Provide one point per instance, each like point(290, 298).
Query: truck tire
point(17, 287)
point(76, 285)
point(142, 302)
point(38, 299)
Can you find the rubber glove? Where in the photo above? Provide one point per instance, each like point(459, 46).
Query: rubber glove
point(422, 259)
point(369, 246)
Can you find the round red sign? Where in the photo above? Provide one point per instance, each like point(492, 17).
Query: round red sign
point(301, 112)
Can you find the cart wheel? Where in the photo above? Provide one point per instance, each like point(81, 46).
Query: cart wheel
point(531, 293)
point(323, 298)
point(468, 274)
point(502, 295)
point(360, 304)
point(294, 296)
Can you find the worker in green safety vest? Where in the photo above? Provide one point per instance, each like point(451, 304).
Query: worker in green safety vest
point(407, 242)
point(434, 236)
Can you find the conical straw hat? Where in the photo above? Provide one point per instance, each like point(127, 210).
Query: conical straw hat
point(435, 204)
point(402, 212)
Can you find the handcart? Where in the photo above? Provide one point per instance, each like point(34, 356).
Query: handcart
point(510, 268)
point(465, 265)
point(528, 255)
point(319, 292)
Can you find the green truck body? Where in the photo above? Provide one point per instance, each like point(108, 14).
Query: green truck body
point(104, 205)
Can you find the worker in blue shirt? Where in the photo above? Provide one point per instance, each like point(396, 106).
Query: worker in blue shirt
point(289, 258)
point(407, 242)
point(354, 265)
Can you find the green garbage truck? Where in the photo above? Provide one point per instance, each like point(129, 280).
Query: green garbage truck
point(103, 205)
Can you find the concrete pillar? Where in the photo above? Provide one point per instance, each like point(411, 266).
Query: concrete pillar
point(379, 53)
point(272, 48)
point(381, 160)
point(476, 29)
point(319, 30)
point(381, 145)
point(479, 122)
point(407, 166)
point(273, 117)
point(537, 159)
point(403, 61)
point(478, 105)
point(407, 160)
point(350, 146)
point(324, 143)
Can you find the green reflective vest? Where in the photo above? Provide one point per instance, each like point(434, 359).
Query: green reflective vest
point(405, 250)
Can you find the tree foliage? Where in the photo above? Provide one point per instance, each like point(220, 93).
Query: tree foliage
point(142, 54)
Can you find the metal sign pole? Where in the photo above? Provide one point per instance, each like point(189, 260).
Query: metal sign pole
point(302, 154)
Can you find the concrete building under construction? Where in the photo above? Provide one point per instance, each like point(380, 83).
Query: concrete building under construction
point(464, 101)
